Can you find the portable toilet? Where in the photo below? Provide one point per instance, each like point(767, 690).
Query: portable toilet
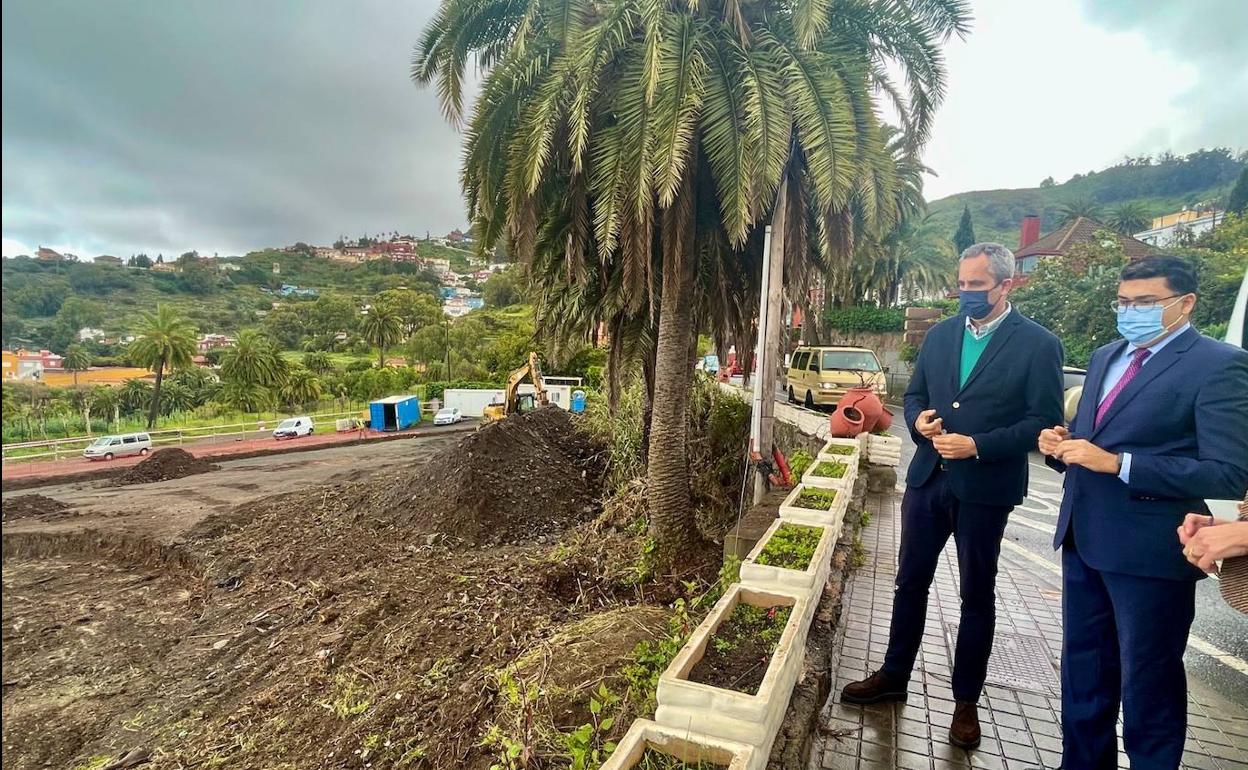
point(578, 401)
point(394, 413)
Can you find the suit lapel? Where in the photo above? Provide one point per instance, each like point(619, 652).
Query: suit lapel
point(1153, 369)
point(999, 338)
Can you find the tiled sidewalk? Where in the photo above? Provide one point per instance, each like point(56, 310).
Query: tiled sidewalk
point(1020, 711)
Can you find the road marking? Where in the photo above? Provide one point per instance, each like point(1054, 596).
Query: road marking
point(1193, 641)
point(1026, 522)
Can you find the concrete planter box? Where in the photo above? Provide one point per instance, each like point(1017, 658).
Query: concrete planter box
point(845, 482)
point(809, 581)
point(722, 713)
point(884, 450)
point(791, 511)
point(688, 747)
point(854, 443)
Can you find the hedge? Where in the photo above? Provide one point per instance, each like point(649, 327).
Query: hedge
point(867, 319)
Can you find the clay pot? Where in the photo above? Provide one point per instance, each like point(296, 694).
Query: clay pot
point(886, 420)
point(866, 401)
point(846, 422)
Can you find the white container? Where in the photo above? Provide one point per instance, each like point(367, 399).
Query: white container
point(845, 482)
point(737, 716)
point(853, 443)
point(790, 511)
point(683, 745)
point(810, 580)
point(884, 450)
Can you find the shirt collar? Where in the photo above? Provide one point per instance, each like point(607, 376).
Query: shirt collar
point(1156, 347)
point(987, 328)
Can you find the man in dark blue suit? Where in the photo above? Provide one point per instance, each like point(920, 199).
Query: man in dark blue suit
point(985, 383)
point(1162, 425)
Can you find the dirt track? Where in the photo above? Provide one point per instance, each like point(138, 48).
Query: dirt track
point(164, 510)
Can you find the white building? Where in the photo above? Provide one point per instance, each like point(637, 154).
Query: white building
point(90, 333)
point(1171, 229)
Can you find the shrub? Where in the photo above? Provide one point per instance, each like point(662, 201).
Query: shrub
point(867, 319)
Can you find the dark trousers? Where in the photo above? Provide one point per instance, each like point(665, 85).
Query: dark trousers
point(1123, 640)
point(929, 515)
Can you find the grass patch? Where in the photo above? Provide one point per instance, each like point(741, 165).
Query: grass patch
point(816, 499)
point(830, 469)
point(791, 547)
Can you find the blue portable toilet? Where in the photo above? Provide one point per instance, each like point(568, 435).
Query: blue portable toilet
point(578, 401)
point(394, 413)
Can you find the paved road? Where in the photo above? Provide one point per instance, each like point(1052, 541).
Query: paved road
point(1218, 647)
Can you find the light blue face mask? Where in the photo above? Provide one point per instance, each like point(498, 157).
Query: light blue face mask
point(1140, 327)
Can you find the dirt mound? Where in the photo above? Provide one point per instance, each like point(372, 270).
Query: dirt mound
point(27, 506)
point(525, 478)
point(163, 465)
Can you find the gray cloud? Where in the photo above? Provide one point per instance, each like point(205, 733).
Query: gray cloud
point(221, 126)
point(1210, 36)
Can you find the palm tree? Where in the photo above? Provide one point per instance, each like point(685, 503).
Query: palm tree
point(655, 138)
point(77, 359)
point(302, 387)
point(200, 381)
point(135, 396)
point(166, 341)
point(107, 401)
point(1129, 218)
point(383, 328)
point(176, 397)
point(318, 362)
point(244, 396)
point(253, 360)
point(1081, 207)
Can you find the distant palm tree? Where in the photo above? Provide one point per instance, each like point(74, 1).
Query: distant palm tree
point(135, 396)
point(176, 397)
point(318, 362)
point(244, 396)
point(252, 360)
point(1082, 207)
point(382, 327)
point(77, 359)
point(1129, 218)
point(302, 387)
point(107, 401)
point(166, 341)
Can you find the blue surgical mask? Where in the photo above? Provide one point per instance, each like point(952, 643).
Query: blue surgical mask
point(974, 304)
point(1140, 327)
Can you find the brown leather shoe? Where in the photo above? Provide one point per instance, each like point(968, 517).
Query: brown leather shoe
point(876, 688)
point(964, 731)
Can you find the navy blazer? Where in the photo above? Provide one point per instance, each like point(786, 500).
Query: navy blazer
point(1014, 392)
point(1184, 419)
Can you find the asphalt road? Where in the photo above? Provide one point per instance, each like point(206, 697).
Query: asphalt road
point(1217, 654)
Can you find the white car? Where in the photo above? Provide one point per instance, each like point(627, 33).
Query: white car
point(108, 447)
point(448, 416)
point(293, 427)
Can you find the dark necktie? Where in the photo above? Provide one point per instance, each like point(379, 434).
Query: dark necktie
point(1137, 363)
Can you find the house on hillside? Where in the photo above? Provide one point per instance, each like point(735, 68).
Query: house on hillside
point(107, 259)
point(90, 333)
point(214, 341)
point(1171, 229)
point(1032, 247)
point(48, 255)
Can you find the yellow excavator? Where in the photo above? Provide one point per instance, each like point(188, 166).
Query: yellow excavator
point(514, 401)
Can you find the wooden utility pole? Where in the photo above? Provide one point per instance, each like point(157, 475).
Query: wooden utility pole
point(767, 348)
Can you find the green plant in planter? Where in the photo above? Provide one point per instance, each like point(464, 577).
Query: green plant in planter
point(791, 547)
point(839, 449)
point(830, 469)
point(655, 760)
point(816, 499)
point(799, 462)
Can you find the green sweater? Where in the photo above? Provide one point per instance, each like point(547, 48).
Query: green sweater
point(972, 349)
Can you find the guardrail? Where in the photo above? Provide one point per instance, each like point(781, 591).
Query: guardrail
point(66, 448)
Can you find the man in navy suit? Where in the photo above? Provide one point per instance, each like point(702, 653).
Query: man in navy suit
point(1162, 425)
point(985, 383)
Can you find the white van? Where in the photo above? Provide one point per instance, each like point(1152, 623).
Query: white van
point(293, 427)
point(108, 447)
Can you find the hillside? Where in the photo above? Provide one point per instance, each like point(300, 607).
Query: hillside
point(1161, 186)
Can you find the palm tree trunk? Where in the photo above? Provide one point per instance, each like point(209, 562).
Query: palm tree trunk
point(615, 359)
point(381, 357)
point(155, 410)
point(671, 514)
point(86, 418)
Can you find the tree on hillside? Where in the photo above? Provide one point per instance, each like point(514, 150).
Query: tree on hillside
point(1129, 218)
point(1047, 182)
point(1237, 202)
point(253, 359)
point(649, 145)
point(1082, 207)
point(77, 359)
point(502, 289)
point(165, 341)
point(318, 363)
point(964, 238)
point(301, 388)
point(383, 328)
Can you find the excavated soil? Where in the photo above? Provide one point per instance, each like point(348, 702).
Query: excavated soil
point(345, 626)
point(163, 465)
point(28, 506)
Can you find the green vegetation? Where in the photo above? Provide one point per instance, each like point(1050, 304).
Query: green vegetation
point(964, 238)
point(653, 759)
point(747, 623)
point(799, 462)
point(866, 319)
point(830, 469)
point(844, 450)
point(816, 499)
point(791, 547)
point(1158, 185)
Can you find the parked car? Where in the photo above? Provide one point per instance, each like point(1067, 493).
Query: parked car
point(447, 416)
point(108, 447)
point(293, 427)
point(821, 375)
point(1072, 388)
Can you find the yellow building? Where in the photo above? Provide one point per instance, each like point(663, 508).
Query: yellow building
point(10, 365)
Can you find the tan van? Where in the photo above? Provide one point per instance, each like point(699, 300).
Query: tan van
point(821, 375)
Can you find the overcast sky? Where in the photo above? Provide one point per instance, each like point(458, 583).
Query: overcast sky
point(227, 126)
